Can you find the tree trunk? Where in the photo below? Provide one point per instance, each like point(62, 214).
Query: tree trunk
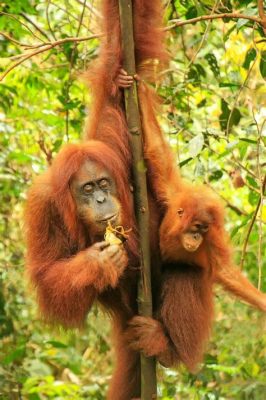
point(148, 365)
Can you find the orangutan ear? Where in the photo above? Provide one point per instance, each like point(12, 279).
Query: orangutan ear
point(180, 212)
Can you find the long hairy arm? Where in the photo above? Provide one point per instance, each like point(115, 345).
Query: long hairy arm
point(234, 281)
point(228, 275)
point(163, 172)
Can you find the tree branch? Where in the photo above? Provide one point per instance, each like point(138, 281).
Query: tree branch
point(11, 39)
point(68, 14)
point(252, 223)
point(40, 30)
point(47, 152)
point(21, 23)
point(45, 47)
point(92, 9)
point(48, 19)
point(262, 15)
point(177, 23)
point(148, 364)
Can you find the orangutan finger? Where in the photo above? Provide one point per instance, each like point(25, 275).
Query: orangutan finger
point(122, 71)
point(101, 245)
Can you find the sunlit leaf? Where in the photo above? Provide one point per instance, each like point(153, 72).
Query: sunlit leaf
point(263, 64)
point(196, 145)
point(250, 56)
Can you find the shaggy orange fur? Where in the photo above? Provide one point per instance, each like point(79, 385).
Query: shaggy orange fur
point(107, 120)
point(184, 312)
point(200, 205)
point(63, 262)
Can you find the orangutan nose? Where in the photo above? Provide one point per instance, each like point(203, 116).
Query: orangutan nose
point(100, 199)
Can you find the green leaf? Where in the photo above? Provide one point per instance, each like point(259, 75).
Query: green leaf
point(224, 115)
point(199, 169)
point(56, 344)
point(212, 61)
point(195, 145)
point(263, 64)
point(216, 175)
point(244, 222)
point(15, 355)
point(241, 22)
point(228, 33)
point(248, 140)
point(224, 368)
point(243, 148)
point(195, 73)
point(202, 103)
point(253, 198)
point(200, 69)
point(186, 161)
point(33, 396)
point(252, 182)
point(250, 56)
point(56, 145)
point(191, 13)
point(229, 84)
point(20, 157)
point(38, 368)
point(235, 116)
point(251, 369)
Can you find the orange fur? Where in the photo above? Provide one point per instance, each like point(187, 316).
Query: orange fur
point(67, 273)
point(185, 309)
point(107, 121)
point(66, 276)
point(199, 204)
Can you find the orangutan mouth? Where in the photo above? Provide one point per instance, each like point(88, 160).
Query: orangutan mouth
point(110, 218)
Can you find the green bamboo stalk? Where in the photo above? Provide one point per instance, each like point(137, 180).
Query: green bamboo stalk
point(148, 365)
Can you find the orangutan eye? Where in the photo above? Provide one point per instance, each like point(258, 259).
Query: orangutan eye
point(104, 184)
point(88, 188)
point(202, 227)
point(180, 212)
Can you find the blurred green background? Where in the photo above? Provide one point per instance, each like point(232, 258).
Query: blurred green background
point(214, 113)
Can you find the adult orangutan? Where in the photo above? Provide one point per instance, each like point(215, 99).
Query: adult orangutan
point(70, 263)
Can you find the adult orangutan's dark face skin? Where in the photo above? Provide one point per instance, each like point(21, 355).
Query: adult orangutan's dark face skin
point(94, 191)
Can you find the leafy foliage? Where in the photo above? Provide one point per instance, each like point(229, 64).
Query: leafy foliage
point(214, 116)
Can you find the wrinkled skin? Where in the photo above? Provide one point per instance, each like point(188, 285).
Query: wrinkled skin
point(95, 194)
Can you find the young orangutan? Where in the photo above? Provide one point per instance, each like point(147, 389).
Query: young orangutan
point(196, 253)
